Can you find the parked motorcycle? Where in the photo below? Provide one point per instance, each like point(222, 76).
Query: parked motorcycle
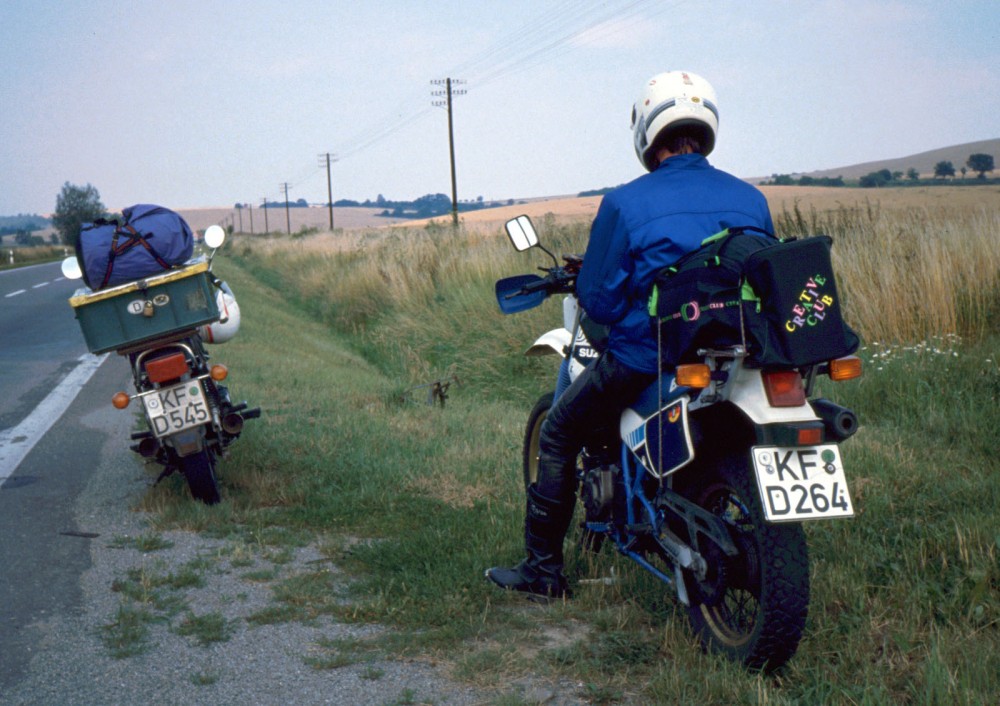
point(160, 324)
point(717, 466)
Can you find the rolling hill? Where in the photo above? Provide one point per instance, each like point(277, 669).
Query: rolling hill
point(923, 162)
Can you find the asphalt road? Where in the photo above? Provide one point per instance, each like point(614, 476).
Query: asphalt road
point(43, 551)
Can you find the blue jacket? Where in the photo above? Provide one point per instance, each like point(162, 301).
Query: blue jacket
point(646, 225)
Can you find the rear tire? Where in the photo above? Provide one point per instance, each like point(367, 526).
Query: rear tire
point(751, 607)
point(199, 471)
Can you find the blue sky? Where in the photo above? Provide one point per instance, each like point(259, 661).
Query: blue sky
point(212, 102)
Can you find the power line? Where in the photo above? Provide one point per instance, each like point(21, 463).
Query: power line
point(329, 158)
point(288, 216)
point(448, 93)
point(546, 36)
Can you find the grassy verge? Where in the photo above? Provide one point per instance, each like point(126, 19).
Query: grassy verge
point(416, 499)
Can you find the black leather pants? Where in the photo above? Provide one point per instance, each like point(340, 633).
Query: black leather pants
point(586, 413)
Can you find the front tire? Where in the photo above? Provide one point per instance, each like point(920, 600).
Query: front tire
point(588, 541)
point(199, 471)
point(751, 607)
point(532, 431)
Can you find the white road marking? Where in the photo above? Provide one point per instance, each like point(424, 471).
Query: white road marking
point(41, 284)
point(17, 442)
point(14, 294)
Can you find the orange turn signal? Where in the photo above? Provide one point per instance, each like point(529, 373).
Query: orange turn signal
point(694, 375)
point(120, 400)
point(845, 368)
point(219, 372)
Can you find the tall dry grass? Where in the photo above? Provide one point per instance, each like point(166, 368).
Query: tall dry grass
point(909, 274)
point(905, 274)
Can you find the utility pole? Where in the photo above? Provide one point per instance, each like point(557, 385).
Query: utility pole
point(449, 92)
point(288, 218)
point(240, 212)
point(329, 184)
point(263, 204)
point(250, 208)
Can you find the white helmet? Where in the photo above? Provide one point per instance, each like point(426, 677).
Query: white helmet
point(229, 318)
point(669, 103)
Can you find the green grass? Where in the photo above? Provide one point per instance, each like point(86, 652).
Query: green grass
point(205, 629)
point(413, 501)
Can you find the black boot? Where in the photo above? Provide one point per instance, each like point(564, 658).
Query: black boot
point(545, 524)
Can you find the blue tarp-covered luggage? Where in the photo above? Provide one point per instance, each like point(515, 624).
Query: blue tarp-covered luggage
point(150, 240)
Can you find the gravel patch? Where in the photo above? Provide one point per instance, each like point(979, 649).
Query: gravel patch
point(200, 641)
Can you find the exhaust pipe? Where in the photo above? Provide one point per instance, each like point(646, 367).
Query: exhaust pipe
point(840, 422)
point(148, 447)
point(232, 423)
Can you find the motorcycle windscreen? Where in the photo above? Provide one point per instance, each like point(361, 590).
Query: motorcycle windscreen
point(510, 298)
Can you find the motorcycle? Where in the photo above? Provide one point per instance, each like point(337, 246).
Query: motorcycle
point(160, 324)
point(716, 467)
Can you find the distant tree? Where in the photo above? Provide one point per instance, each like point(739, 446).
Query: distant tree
point(981, 163)
point(876, 179)
point(944, 169)
point(76, 205)
point(432, 205)
point(912, 174)
point(896, 176)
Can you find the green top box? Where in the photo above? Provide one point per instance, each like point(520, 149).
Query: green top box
point(146, 309)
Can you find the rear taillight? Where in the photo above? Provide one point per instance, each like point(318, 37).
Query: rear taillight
point(811, 436)
point(784, 388)
point(168, 367)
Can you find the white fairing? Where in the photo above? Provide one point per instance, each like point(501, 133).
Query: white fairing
point(228, 324)
point(554, 342)
point(745, 389)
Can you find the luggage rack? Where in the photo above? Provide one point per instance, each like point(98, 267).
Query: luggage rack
point(150, 308)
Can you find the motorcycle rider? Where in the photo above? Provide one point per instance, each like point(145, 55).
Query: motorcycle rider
point(640, 228)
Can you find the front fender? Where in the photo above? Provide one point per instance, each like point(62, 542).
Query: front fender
point(557, 341)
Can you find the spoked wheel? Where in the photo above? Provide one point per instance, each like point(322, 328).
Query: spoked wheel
point(199, 471)
point(750, 607)
point(589, 541)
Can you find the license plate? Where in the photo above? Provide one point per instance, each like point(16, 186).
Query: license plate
point(176, 408)
point(806, 483)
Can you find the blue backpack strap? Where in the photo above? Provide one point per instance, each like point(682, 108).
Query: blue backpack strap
point(134, 238)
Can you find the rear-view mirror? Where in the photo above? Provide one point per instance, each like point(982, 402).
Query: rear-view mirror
point(521, 232)
point(71, 268)
point(215, 236)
